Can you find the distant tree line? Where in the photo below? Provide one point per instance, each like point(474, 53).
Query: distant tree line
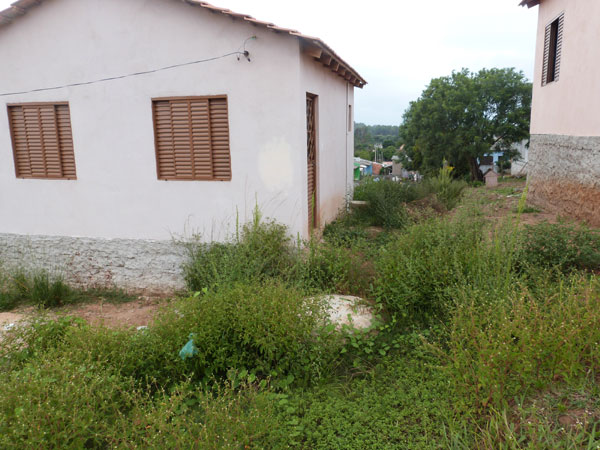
point(368, 137)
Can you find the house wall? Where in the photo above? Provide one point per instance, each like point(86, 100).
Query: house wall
point(565, 125)
point(335, 140)
point(519, 167)
point(117, 203)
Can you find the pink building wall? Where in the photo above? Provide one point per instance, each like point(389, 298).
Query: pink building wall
point(564, 153)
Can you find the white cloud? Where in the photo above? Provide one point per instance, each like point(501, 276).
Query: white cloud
point(398, 46)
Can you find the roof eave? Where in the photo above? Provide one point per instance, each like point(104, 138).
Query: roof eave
point(530, 3)
point(313, 46)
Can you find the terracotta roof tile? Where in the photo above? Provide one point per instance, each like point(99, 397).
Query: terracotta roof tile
point(326, 55)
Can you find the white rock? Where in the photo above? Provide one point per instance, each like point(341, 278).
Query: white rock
point(349, 310)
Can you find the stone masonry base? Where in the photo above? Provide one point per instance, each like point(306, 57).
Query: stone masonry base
point(144, 266)
point(564, 175)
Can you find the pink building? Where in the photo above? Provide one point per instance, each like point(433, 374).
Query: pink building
point(564, 156)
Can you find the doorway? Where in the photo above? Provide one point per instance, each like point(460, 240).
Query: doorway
point(311, 159)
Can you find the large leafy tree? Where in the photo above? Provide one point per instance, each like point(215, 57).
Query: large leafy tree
point(464, 116)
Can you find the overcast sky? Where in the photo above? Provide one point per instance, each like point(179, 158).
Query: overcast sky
point(398, 46)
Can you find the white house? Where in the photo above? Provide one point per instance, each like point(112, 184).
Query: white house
point(125, 123)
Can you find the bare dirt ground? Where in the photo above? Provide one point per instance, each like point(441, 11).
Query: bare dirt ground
point(501, 202)
point(9, 318)
point(136, 313)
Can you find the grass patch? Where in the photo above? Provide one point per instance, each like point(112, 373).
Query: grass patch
point(45, 290)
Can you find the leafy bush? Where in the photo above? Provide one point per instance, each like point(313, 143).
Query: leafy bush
point(417, 271)
point(326, 267)
point(267, 329)
point(263, 250)
point(344, 231)
point(191, 417)
point(53, 402)
point(386, 201)
point(501, 348)
point(447, 190)
point(561, 246)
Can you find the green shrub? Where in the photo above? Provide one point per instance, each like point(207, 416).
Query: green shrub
point(417, 272)
point(53, 402)
point(265, 329)
point(561, 246)
point(502, 348)
point(344, 231)
point(386, 201)
point(329, 268)
point(190, 417)
point(447, 190)
point(263, 250)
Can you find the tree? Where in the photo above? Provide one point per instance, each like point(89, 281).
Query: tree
point(462, 117)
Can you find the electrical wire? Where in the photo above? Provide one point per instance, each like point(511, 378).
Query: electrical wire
point(237, 53)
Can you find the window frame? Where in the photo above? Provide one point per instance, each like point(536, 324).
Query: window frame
point(154, 100)
point(12, 130)
point(552, 53)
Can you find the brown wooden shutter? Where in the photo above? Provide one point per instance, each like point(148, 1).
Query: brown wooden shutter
point(42, 141)
point(192, 138)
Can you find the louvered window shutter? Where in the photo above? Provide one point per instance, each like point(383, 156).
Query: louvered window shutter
point(553, 50)
point(42, 141)
point(192, 138)
point(546, 55)
point(559, 41)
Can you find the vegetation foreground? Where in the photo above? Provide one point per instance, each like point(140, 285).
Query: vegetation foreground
point(487, 337)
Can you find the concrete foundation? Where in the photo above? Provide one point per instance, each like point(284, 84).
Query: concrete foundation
point(564, 175)
point(147, 266)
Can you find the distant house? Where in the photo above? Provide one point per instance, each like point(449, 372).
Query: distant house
point(366, 166)
point(487, 162)
point(125, 123)
point(564, 153)
point(384, 168)
point(356, 171)
point(519, 166)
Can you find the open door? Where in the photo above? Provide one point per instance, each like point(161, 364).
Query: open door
point(311, 159)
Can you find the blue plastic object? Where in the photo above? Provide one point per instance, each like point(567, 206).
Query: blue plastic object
point(189, 350)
